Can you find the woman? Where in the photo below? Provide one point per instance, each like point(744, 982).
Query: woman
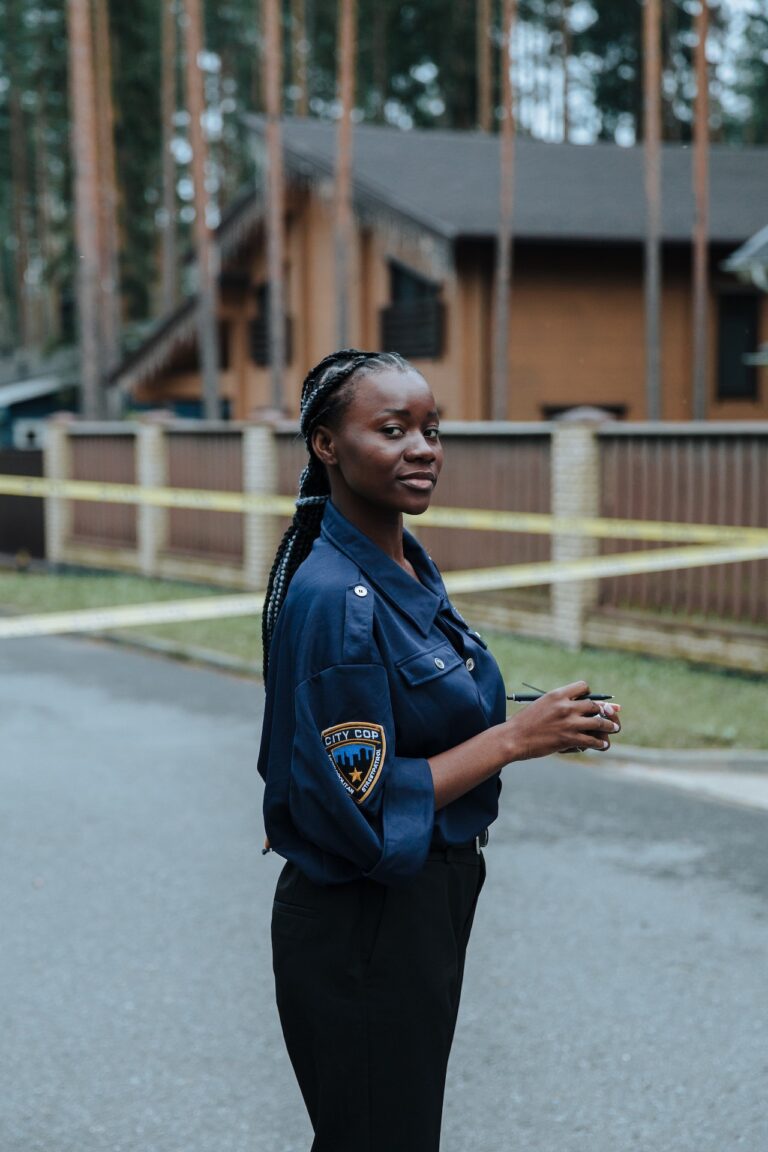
point(384, 736)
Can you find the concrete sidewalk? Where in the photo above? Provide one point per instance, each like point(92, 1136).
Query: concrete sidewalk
point(737, 776)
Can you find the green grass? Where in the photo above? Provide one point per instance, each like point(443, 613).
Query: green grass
point(666, 703)
point(36, 592)
point(44, 592)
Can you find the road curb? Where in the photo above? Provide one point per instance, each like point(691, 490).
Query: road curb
point(698, 759)
point(186, 654)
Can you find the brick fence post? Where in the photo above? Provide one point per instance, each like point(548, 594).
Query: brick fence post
point(58, 509)
point(151, 472)
point(259, 478)
point(575, 493)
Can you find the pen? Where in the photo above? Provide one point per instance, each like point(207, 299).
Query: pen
point(523, 698)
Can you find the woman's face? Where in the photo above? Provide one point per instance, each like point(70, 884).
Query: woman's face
point(385, 454)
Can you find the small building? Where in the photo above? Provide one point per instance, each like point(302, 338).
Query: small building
point(426, 208)
point(32, 388)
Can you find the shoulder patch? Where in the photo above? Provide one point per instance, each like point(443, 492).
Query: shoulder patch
point(356, 750)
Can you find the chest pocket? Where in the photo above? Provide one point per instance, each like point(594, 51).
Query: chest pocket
point(426, 666)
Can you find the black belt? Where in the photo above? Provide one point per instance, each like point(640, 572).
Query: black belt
point(458, 851)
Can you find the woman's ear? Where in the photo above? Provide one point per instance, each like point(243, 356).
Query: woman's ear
point(323, 445)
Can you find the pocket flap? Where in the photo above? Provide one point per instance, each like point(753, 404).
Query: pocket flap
point(424, 666)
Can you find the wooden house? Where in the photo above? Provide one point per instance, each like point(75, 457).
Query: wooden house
point(422, 267)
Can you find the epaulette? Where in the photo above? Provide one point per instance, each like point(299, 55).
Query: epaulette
point(358, 645)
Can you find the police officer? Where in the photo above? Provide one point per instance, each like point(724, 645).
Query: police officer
point(384, 736)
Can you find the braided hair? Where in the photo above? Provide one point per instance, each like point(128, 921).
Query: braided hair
point(325, 394)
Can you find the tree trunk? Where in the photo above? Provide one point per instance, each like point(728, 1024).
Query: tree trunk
point(483, 37)
point(273, 60)
point(499, 391)
point(109, 292)
point(19, 183)
point(83, 126)
point(207, 271)
point(652, 143)
point(701, 225)
point(344, 234)
point(169, 257)
point(49, 327)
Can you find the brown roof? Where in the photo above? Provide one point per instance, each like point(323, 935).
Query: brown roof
point(448, 182)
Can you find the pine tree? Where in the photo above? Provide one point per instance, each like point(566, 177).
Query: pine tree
point(84, 147)
point(205, 251)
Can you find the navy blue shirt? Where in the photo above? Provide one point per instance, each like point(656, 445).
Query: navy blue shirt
point(371, 672)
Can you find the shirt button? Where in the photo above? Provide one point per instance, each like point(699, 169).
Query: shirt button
point(439, 663)
point(470, 664)
point(361, 590)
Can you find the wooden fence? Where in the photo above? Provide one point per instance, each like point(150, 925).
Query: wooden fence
point(692, 473)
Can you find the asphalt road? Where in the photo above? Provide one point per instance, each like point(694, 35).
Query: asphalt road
point(617, 990)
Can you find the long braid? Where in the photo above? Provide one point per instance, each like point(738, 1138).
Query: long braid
point(323, 397)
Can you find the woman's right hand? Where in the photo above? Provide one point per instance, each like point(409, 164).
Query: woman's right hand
point(560, 721)
point(557, 721)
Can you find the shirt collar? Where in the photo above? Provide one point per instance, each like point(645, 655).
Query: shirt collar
point(419, 600)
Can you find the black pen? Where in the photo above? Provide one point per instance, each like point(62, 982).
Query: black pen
point(522, 698)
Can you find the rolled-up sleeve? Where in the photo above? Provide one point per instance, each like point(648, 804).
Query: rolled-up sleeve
point(350, 793)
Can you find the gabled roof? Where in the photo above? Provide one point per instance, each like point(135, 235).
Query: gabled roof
point(172, 332)
point(448, 183)
point(22, 391)
point(177, 329)
point(750, 262)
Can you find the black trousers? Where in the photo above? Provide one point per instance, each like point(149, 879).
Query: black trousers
point(368, 982)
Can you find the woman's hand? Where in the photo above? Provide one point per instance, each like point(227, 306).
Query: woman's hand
point(559, 721)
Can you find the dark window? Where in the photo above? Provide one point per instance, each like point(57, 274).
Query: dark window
point(259, 330)
point(224, 333)
point(737, 336)
point(413, 323)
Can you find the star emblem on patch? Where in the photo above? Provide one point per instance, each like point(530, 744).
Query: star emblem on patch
point(356, 750)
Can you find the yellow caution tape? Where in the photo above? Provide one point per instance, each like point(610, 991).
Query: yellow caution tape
point(623, 564)
point(200, 498)
point(473, 580)
point(474, 518)
point(542, 524)
point(132, 615)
